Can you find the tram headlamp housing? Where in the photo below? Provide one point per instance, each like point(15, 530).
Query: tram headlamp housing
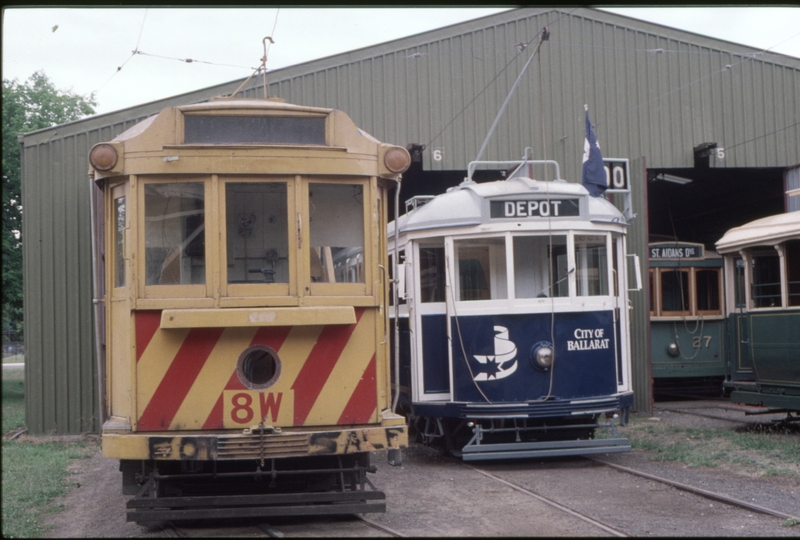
point(542, 356)
point(104, 156)
point(396, 159)
point(673, 350)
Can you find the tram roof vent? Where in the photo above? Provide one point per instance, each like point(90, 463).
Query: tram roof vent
point(415, 202)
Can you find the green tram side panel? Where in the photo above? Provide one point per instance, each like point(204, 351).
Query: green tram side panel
point(775, 347)
point(701, 345)
point(740, 357)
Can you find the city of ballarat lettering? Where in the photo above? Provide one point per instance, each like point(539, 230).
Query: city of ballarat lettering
point(534, 208)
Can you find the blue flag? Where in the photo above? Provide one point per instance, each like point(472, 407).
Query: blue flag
point(593, 177)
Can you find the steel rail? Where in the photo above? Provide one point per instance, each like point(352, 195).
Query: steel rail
point(380, 527)
point(712, 416)
point(698, 491)
point(550, 502)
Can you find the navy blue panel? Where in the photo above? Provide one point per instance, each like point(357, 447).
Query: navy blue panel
point(585, 356)
point(435, 371)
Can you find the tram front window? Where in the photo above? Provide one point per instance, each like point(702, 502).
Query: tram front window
point(591, 258)
point(258, 237)
point(707, 285)
point(482, 269)
point(174, 233)
point(336, 212)
point(540, 266)
point(675, 291)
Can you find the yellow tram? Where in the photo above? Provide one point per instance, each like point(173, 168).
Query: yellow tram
point(245, 307)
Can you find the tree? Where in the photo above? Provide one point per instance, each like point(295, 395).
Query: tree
point(36, 104)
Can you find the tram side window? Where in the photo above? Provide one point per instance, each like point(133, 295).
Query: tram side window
point(482, 269)
point(675, 291)
point(337, 233)
point(766, 286)
point(174, 233)
point(793, 271)
point(540, 266)
point(258, 237)
point(431, 274)
point(119, 259)
point(591, 258)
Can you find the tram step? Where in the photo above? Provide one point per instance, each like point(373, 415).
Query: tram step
point(241, 506)
point(482, 452)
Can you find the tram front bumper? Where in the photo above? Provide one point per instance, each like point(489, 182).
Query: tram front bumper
point(255, 443)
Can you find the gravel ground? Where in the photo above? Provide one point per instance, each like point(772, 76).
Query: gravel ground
point(435, 495)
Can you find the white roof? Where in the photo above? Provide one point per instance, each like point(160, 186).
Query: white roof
point(467, 203)
point(765, 231)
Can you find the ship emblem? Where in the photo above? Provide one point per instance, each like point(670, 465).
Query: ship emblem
point(497, 366)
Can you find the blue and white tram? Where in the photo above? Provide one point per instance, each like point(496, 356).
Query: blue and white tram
point(512, 315)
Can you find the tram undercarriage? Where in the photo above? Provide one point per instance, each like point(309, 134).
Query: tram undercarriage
point(179, 490)
point(516, 438)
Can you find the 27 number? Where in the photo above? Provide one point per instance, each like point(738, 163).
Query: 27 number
point(697, 341)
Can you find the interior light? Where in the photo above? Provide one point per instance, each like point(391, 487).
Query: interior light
point(674, 179)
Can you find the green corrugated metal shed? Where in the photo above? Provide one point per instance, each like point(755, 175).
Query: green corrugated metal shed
point(654, 94)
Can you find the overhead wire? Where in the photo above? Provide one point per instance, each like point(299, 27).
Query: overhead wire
point(520, 46)
point(133, 53)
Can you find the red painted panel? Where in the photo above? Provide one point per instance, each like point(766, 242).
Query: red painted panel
point(364, 400)
point(318, 367)
point(147, 323)
point(179, 379)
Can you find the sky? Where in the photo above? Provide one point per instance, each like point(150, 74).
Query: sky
point(90, 50)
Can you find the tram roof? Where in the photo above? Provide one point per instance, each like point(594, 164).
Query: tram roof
point(467, 204)
point(765, 231)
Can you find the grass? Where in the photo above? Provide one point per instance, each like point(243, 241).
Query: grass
point(764, 452)
point(14, 359)
point(34, 473)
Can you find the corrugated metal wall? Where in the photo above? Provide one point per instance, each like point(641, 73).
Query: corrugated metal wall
point(793, 189)
point(442, 89)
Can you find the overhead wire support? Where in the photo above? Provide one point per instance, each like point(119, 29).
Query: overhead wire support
point(262, 67)
point(544, 36)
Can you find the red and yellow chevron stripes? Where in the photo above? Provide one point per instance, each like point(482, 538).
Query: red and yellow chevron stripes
point(186, 378)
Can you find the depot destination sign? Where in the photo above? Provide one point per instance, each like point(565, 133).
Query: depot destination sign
point(534, 208)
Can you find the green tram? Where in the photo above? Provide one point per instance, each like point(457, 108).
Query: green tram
point(687, 321)
point(762, 268)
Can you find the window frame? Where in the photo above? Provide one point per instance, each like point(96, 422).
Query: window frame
point(255, 293)
point(354, 293)
point(195, 292)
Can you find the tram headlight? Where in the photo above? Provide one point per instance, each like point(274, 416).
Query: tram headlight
point(542, 356)
point(103, 156)
point(397, 159)
point(673, 350)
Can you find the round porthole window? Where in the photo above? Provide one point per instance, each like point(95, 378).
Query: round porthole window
point(258, 367)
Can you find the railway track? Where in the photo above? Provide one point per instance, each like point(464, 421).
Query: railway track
point(355, 525)
point(788, 420)
point(541, 483)
point(551, 502)
point(699, 491)
point(789, 519)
